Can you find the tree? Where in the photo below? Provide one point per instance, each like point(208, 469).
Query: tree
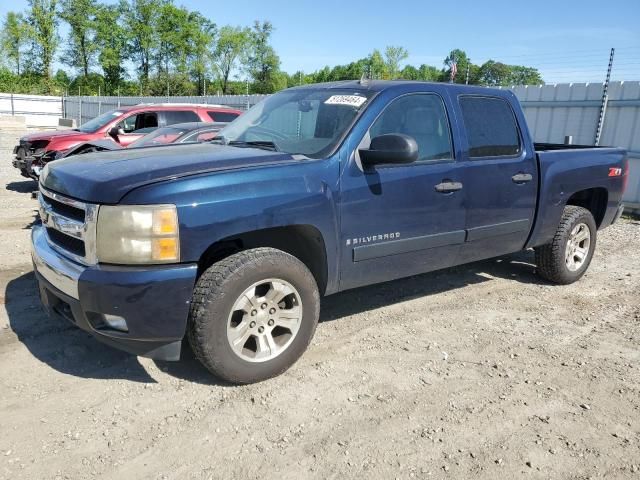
point(461, 60)
point(376, 65)
point(394, 56)
point(202, 40)
point(520, 75)
point(111, 38)
point(494, 73)
point(82, 46)
point(14, 37)
point(174, 33)
point(263, 64)
point(232, 43)
point(142, 23)
point(43, 24)
point(428, 73)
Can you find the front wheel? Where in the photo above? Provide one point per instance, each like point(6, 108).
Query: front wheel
point(253, 314)
point(569, 254)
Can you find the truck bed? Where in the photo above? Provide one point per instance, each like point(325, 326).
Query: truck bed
point(546, 147)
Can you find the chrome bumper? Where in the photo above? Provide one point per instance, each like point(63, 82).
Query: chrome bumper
point(61, 272)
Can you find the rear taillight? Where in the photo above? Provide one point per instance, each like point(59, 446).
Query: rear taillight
point(625, 174)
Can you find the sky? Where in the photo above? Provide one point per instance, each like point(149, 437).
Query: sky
point(565, 40)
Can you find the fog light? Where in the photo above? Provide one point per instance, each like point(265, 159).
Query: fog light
point(115, 322)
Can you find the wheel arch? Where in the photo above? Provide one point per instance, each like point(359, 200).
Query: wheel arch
point(305, 242)
point(593, 199)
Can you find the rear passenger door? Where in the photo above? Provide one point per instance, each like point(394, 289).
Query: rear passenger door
point(500, 178)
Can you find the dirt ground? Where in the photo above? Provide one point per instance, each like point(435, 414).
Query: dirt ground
point(483, 371)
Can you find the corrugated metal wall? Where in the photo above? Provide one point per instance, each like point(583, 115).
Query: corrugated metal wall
point(552, 111)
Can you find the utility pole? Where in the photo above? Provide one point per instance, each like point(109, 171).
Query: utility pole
point(605, 99)
point(466, 82)
point(248, 93)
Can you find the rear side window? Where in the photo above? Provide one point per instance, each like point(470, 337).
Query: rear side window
point(491, 127)
point(180, 116)
point(222, 116)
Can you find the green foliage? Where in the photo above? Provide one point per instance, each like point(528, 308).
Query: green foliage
point(232, 42)
point(175, 84)
point(394, 56)
point(263, 64)
point(111, 39)
point(177, 51)
point(43, 32)
point(13, 38)
point(82, 47)
point(141, 20)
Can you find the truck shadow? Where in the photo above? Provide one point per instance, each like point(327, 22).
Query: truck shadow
point(59, 344)
point(519, 267)
point(69, 350)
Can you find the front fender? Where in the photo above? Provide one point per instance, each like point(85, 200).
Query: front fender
point(212, 207)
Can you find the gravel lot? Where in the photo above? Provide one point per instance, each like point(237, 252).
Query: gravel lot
point(480, 371)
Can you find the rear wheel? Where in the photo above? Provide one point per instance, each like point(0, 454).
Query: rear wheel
point(569, 254)
point(253, 314)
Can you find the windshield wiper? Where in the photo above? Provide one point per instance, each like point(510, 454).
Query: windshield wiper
point(263, 144)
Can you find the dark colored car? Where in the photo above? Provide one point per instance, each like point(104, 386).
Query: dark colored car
point(192, 132)
point(313, 191)
point(122, 126)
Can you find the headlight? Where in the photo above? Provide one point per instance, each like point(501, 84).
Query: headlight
point(132, 234)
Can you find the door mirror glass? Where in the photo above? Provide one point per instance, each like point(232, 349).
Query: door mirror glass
point(391, 148)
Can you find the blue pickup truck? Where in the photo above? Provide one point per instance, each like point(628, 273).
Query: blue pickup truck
point(315, 190)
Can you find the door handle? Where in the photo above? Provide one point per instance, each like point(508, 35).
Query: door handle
point(447, 186)
point(522, 177)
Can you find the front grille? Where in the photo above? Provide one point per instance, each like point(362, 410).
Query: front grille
point(70, 225)
point(73, 245)
point(67, 210)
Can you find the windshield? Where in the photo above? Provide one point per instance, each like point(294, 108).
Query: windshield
point(308, 121)
point(161, 136)
point(100, 121)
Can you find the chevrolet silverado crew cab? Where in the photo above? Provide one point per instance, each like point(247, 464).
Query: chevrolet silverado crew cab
point(315, 190)
point(120, 127)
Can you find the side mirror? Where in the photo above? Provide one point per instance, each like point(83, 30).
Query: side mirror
point(115, 132)
point(392, 148)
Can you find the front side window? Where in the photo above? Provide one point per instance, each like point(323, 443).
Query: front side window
point(307, 121)
point(422, 117)
point(491, 126)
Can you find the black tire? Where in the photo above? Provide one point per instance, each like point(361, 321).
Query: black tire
point(551, 259)
point(215, 294)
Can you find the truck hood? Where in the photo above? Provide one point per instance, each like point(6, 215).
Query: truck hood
point(106, 177)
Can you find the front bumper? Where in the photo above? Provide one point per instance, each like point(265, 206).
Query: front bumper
point(142, 310)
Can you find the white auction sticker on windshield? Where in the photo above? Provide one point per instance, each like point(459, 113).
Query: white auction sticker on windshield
point(351, 100)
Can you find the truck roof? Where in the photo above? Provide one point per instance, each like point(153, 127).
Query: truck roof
point(381, 85)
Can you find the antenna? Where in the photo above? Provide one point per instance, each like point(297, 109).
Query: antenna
point(366, 76)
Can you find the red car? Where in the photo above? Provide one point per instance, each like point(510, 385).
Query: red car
point(124, 126)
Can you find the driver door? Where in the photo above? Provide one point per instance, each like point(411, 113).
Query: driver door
point(394, 222)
